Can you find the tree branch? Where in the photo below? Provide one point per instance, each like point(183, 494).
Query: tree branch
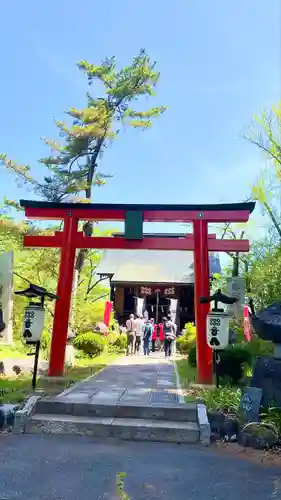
point(98, 298)
point(95, 284)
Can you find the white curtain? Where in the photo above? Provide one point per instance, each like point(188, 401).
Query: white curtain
point(173, 309)
point(140, 304)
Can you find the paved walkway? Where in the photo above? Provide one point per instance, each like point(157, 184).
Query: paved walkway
point(129, 380)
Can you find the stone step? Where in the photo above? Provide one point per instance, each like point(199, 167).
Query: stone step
point(186, 412)
point(119, 428)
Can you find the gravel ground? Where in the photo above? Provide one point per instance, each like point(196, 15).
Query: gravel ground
point(42, 467)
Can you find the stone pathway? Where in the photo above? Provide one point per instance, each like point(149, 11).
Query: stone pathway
point(137, 380)
point(135, 398)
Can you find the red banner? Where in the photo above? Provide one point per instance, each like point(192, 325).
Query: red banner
point(247, 324)
point(107, 313)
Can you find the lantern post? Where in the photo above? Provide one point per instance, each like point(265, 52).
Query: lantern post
point(33, 322)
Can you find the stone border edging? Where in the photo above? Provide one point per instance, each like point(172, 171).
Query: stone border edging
point(22, 415)
point(204, 424)
point(202, 416)
point(178, 384)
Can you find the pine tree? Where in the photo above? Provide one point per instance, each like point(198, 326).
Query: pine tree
point(73, 168)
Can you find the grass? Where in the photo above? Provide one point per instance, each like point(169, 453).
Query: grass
point(224, 398)
point(16, 389)
point(17, 350)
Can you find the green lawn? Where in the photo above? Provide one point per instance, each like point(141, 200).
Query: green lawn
point(16, 389)
point(223, 398)
point(17, 350)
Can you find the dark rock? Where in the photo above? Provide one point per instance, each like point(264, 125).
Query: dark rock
point(16, 369)
point(7, 416)
point(259, 435)
point(268, 324)
point(216, 420)
point(267, 376)
point(231, 429)
point(215, 437)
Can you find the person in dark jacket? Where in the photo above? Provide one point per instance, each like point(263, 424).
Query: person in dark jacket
point(147, 335)
point(169, 336)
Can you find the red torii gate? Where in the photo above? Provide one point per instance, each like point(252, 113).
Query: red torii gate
point(70, 239)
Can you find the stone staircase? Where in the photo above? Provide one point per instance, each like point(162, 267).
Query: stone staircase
point(178, 423)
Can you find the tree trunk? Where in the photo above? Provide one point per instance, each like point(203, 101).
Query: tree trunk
point(235, 265)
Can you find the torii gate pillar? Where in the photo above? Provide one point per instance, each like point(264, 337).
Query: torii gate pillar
point(202, 289)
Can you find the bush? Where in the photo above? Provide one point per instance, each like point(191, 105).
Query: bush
point(112, 337)
point(92, 344)
point(259, 347)
point(187, 340)
point(192, 356)
point(183, 345)
point(232, 362)
point(120, 343)
point(45, 340)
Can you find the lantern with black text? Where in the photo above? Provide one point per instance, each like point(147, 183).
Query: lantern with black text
point(33, 323)
point(217, 330)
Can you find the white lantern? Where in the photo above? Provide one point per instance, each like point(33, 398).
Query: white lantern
point(33, 323)
point(217, 330)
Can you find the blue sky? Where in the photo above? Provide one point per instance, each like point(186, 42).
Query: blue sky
point(219, 62)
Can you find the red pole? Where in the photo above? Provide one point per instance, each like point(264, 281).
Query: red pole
point(64, 289)
point(202, 289)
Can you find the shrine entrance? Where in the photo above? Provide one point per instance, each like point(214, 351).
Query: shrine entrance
point(156, 303)
point(70, 239)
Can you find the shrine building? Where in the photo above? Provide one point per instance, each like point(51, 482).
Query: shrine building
point(156, 277)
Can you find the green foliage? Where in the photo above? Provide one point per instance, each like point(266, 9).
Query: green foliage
point(92, 344)
point(120, 344)
point(183, 345)
point(265, 277)
point(225, 399)
point(233, 361)
point(258, 347)
point(192, 357)
point(45, 340)
point(120, 486)
point(272, 416)
point(185, 342)
point(266, 135)
point(111, 338)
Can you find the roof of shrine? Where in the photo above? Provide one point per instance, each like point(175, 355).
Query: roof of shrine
point(151, 266)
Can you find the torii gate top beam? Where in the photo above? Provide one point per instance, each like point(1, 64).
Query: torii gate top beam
point(225, 212)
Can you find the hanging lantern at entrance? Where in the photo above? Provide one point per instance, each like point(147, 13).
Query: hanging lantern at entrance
point(33, 323)
point(217, 330)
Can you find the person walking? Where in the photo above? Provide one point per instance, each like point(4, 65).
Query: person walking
point(169, 336)
point(154, 335)
point(131, 334)
point(139, 322)
point(147, 334)
point(173, 346)
point(161, 335)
